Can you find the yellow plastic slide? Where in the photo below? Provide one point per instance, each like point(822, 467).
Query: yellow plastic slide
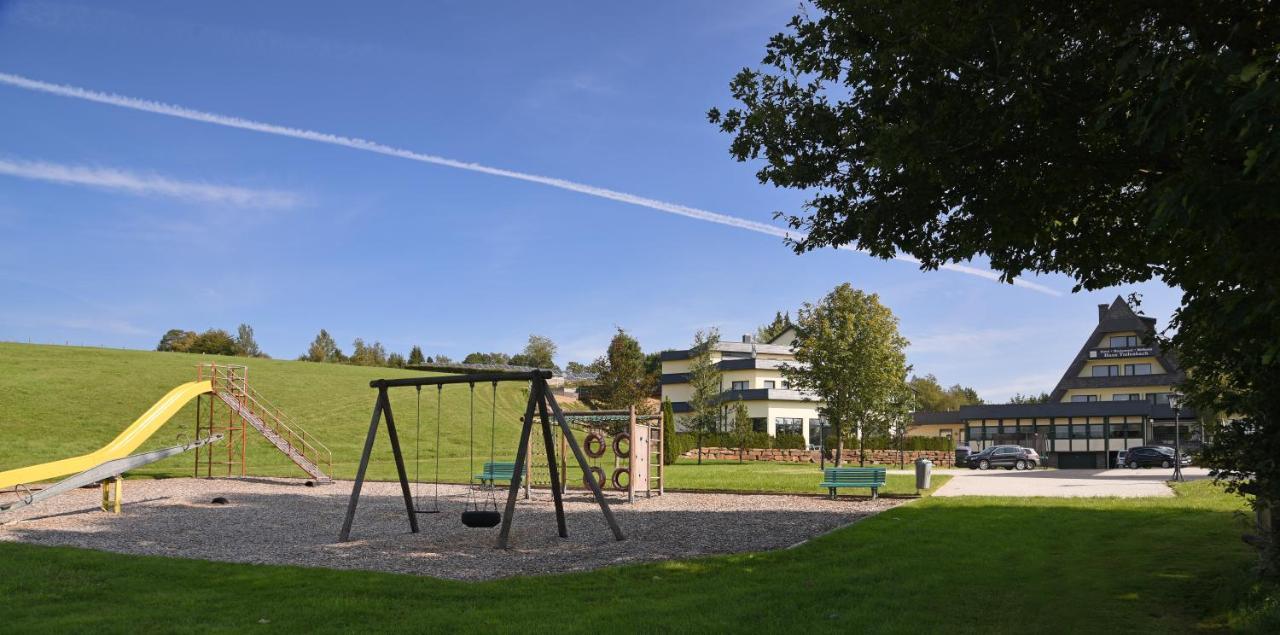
point(122, 446)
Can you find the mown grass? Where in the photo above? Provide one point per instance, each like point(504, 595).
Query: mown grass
point(764, 476)
point(936, 565)
point(60, 401)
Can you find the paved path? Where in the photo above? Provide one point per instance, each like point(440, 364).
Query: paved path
point(1064, 483)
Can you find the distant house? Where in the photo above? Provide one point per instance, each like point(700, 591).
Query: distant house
point(752, 373)
point(1114, 395)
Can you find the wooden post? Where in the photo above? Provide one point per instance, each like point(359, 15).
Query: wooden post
point(400, 469)
point(586, 470)
point(345, 534)
point(551, 461)
point(535, 390)
point(634, 433)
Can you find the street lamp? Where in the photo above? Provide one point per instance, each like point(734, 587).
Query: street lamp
point(1175, 402)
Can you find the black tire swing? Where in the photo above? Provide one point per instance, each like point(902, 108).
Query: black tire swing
point(480, 512)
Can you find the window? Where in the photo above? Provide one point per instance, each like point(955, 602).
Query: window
point(1095, 431)
point(977, 433)
point(1126, 431)
point(786, 385)
point(1133, 396)
point(1061, 432)
point(759, 424)
point(769, 383)
point(787, 425)
point(1158, 398)
point(1123, 341)
point(816, 429)
point(1137, 369)
point(1110, 370)
point(740, 385)
point(1079, 431)
point(1083, 398)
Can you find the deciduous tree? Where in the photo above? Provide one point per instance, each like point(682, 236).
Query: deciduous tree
point(1113, 142)
point(246, 345)
point(415, 355)
point(850, 356)
point(705, 383)
point(323, 349)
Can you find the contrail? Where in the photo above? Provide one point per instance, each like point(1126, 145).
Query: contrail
point(146, 184)
point(181, 112)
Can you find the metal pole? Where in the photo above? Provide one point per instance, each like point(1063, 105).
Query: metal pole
point(1177, 443)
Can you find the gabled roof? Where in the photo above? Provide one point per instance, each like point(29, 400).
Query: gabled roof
point(1119, 316)
point(785, 337)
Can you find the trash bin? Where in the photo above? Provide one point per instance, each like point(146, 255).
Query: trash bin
point(924, 473)
point(962, 455)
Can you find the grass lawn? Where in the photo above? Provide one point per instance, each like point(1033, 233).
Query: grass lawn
point(61, 401)
point(953, 565)
point(766, 476)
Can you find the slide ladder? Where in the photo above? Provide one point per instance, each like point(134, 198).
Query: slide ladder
point(230, 384)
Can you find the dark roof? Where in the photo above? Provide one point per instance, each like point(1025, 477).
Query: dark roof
point(1117, 317)
point(936, 416)
point(1072, 409)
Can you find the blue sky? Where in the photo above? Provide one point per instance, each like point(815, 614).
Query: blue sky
point(117, 223)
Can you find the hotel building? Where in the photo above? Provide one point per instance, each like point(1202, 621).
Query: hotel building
point(1114, 395)
point(751, 373)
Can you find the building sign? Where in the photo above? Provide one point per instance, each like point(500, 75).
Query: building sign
point(1118, 353)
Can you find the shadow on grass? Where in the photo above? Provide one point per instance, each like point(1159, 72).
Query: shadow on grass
point(957, 565)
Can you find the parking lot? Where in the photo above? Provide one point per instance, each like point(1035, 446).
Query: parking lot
point(1065, 483)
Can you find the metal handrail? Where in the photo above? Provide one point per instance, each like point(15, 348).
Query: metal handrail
point(294, 435)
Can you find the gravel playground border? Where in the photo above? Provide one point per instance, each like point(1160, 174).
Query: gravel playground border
point(280, 521)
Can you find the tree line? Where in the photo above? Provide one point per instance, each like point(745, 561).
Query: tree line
point(212, 342)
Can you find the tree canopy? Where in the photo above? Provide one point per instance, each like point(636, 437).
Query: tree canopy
point(850, 355)
point(1114, 142)
point(932, 396)
point(620, 375)
point(777, 326)
point(540, 352)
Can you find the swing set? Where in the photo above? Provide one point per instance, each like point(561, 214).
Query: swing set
point(478, 511)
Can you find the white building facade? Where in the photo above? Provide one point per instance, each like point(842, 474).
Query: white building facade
point(751, 373)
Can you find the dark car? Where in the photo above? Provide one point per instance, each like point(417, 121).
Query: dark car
point(1151, 456)
point(1009, 457)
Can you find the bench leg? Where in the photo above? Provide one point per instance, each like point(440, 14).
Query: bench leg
point(875, 492)
point(832, 492)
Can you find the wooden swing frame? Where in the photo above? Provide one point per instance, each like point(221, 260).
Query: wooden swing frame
point(540, 399)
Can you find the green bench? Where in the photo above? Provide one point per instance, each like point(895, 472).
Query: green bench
point(496, 471)
point(834, 478)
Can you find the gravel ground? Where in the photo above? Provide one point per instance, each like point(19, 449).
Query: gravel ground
point(280, 521)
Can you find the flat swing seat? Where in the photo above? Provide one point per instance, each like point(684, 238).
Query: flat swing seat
point(834, 478)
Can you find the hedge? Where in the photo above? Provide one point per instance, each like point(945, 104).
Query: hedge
point(685, 441)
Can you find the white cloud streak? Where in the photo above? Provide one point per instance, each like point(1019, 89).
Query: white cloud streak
point(182, 112)
point(147, 184)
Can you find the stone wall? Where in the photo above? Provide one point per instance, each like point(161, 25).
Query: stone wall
point(881, 457)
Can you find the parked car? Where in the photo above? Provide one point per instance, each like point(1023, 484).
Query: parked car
point(1120, 459)
point(1009, 457)
point(1152, 456)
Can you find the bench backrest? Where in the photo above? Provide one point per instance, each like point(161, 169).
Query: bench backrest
point(499, 467)
point(853, 474)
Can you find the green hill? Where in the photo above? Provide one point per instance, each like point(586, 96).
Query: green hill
point(60, 401)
